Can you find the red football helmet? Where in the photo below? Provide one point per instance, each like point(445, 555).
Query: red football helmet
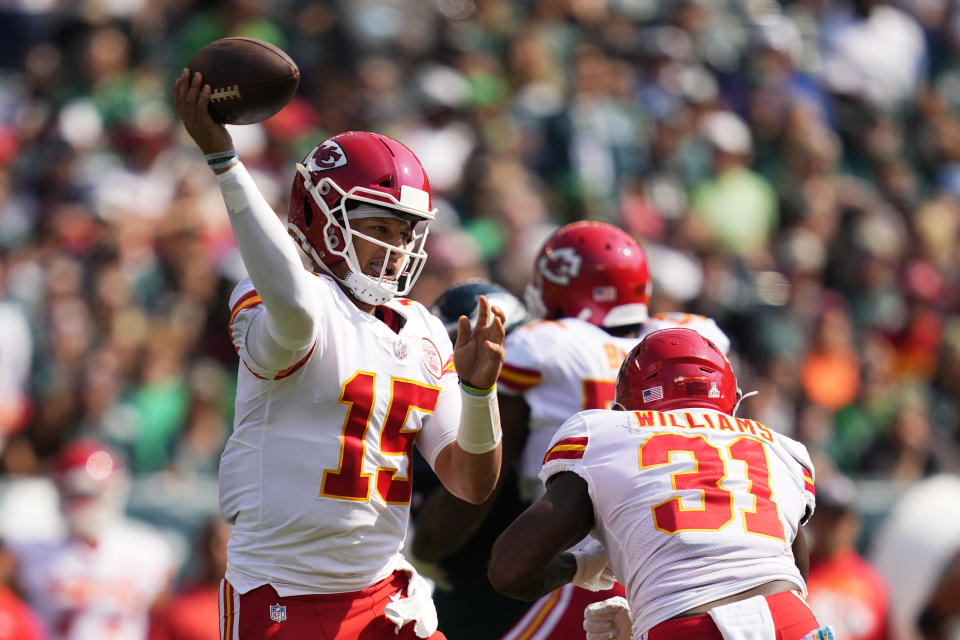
point(349, 169)
point(93, 487)
point(86, 467)
point(676, 369)
point(592, 271)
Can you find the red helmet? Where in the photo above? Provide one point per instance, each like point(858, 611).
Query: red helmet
point(592, 271)
point(676, 369)
point(348, 170)
point(88, 467)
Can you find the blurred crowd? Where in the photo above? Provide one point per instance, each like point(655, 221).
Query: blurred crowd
point(792, 169)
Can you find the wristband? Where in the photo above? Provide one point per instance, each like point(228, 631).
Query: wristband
point(222, 159)
point(476, 391)
point(479, 430)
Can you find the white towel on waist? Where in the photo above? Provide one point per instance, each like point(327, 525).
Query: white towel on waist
point(748, 619)
point(416, 607)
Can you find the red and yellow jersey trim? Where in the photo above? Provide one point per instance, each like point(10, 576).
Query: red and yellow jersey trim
point(567, 449)
point(246, 301)
point(286, 372)
point(536, 624)
point(808, 483)
point(518, 378)
point(448, 367)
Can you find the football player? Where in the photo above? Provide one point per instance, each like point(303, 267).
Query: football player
point(103, 578)
point(339, 377)
point(700, 512)
point(590, 289)
point(456, 557)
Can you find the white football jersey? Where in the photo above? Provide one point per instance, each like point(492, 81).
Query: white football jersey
point(692, 505)
point(703, 325)
point(561, 367)
point(316, 478)
point(103, 591)
point(565, 366)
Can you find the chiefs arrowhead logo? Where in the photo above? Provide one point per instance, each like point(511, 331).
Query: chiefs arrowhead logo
point(559, 265)
point(328, 155)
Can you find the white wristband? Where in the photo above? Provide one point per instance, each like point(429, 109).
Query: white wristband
point(479, 430)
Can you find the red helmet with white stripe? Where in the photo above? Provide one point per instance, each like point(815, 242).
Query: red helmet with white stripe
point(676, 369)
point(347, 171)
point(592, 271)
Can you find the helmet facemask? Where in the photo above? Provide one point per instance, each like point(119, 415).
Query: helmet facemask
point(338, 236)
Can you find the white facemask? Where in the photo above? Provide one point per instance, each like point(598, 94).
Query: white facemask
point(90, 518)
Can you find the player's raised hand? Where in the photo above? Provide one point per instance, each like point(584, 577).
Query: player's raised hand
point(478, 353)
point(191, 97)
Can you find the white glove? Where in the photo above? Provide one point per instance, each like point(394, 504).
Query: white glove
point(416, 607)
point(593, 566)
point(607, 620)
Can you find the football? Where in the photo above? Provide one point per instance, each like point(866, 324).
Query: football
point(250, 79)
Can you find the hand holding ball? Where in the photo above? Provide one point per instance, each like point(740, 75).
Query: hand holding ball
point(250, 79)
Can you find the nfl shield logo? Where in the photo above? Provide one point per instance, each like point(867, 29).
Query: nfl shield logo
point(400, 349)
point(278, 612)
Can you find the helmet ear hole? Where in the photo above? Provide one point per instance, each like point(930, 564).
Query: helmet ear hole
point(323, 187)
point(307, 211)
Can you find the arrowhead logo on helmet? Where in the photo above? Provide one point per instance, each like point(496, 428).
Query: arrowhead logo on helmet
point(560, 265)
point(328, 155)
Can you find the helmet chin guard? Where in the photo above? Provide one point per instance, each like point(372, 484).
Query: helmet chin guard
point(373, 173)
point(366, 289)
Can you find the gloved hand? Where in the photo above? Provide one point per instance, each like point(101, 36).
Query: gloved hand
point(607, 620)
point(417, 606)
point(593, 565)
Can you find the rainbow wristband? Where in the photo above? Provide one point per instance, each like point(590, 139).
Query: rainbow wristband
point(474, 391)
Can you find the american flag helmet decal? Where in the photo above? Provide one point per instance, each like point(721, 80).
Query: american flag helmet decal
point(652, 394)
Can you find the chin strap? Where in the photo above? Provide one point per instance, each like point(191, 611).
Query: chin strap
point(741, 399)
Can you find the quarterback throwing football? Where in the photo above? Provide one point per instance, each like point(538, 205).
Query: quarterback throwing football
point(339, 377)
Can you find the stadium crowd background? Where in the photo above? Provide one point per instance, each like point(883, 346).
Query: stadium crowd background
point(792, 169)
